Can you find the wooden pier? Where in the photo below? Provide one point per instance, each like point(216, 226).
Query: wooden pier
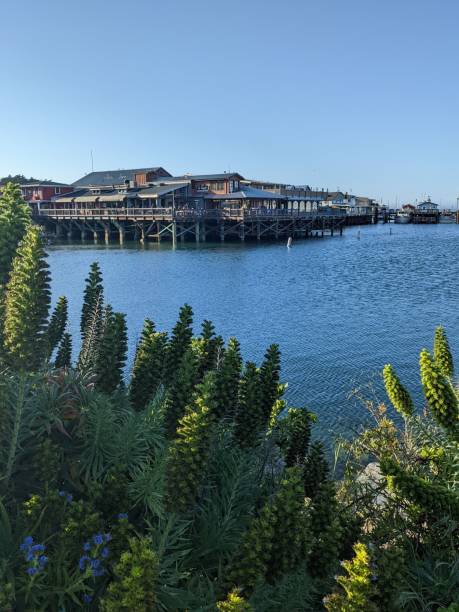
point(182, 225)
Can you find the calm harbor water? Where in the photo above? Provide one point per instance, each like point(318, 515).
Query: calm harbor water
point(340, 308)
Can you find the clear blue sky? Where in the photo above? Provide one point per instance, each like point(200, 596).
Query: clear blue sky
point(361, 95)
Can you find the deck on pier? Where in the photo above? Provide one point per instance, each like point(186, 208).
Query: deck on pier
point(189, 224)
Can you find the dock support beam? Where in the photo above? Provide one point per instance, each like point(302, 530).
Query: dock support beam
point(120, 228)
point(174, 234)
point(198, 231)
point(222, 232)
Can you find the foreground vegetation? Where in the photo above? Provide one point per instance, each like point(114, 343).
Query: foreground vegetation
point(192, 485)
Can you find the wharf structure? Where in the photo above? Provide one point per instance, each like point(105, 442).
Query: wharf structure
point(150, 203)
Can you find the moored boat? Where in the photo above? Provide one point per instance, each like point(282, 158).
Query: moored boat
point(402, 217)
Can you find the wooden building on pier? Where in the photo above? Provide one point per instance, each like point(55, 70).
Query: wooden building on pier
point(151, 203)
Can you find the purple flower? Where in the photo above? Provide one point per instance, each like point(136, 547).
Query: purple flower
point(69, 498)
point(107, 537)
point(32, 571)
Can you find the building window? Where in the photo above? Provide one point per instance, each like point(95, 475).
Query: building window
point(57, 190)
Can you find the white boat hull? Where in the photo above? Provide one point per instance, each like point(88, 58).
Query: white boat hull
point(402, 218)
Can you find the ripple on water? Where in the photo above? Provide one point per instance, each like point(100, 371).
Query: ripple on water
point(339, 308)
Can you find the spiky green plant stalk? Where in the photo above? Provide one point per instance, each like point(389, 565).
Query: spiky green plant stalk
point(327, 532)
point(27, 304)
point(432, 498)
point(93, 296)
point(64, 352)
point(440, 395)
point(148, 370)
point(57, 325)
point(315, 470)
point(211, 348)
point(442, 353)
point(291, 535)
point(179, 342)
point(249, 416)
point(250, 563)
point(234, 603)
point(14, 221)
point(91, 341)
point(181, 392)
point(270, 380)
point(136, 575)
point(396, 392)
point(111, 356)
point(295, 433)
point(228, 376)
point(189, 451)
point(357, 589)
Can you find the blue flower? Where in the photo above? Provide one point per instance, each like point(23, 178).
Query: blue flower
point(28, 541)
point(105, 552)
point(43, 560)
point(87, 598)
point(32, 571)
point(122, 515)
point(94, 563)
point(37, 548)
point(98, 539)
point(29, 556)
point(108, 537)
point(87, 546)
point(98, 572)
point(69, 498)
point(82, 562)
point(62, 493)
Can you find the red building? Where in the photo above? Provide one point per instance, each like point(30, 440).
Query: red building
point(43, 191)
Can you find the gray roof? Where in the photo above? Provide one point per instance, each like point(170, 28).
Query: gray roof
point(159, 190)
point(150, 192)
point(248, 193)
point(117, 177)
point(210, 177)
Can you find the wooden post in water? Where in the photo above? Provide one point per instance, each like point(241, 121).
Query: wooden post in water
point(222, 232)
point(197, 231)
point(174, 234)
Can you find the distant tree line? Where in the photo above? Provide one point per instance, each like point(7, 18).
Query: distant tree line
point(20, 179)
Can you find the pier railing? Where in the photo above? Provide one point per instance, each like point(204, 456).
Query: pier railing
point(182, 214)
